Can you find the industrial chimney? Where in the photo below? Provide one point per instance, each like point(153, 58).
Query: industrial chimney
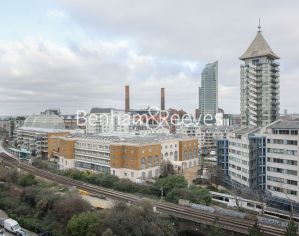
point(162, 99)
point(127, 98)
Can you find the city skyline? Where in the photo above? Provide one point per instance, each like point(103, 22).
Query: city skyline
point(65, 55)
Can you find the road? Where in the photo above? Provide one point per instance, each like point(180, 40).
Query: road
point(198, 216)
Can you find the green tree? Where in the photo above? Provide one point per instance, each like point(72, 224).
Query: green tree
point(255, 230)
point(138, 220)
point(291, 229)
point(87, 223)
point(170, 182)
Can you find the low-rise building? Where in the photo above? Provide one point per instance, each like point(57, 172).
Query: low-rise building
point(61, 149)
point(33, 135)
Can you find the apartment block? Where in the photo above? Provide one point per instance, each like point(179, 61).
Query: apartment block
point(259, 84)
point(247, 158)
point(283, 159)
point(61, 150)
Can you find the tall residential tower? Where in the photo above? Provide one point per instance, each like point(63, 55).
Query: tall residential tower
point(209, 89)
point(259, 84)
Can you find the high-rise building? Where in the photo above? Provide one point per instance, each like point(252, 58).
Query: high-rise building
point(199, 99)
point(259, 84)
point(209, 89)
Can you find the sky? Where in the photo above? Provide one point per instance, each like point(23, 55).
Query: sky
point(78, 54)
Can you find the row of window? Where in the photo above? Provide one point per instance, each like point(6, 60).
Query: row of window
point(282, 190)
point(282, 141)
point(282, 151)
point(282, 161)
point(92, 153)
point(237, 175)
point(93, 160)
point(149, 163)
point(283, 171)
point(89, 166)
point(282, 180)
point(93, 146)
point(245, 154)
point(189, 155)
point(238, 168)
point(238, 160)
point(285, 131)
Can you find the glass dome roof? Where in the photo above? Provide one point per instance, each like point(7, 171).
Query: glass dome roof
point(43, 121)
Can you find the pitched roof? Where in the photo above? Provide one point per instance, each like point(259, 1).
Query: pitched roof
point(258, 48)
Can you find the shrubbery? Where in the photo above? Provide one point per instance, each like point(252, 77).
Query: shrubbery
point(174, 187)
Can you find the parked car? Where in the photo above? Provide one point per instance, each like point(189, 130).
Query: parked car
point(2, 232)
point(11, 226)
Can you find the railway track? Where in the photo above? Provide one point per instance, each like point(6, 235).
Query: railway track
point(202, 217)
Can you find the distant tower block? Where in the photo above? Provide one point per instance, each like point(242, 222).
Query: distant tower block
point(162, 99)
point(127, 98)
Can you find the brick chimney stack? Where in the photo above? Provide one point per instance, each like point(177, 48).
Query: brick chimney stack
point(127, 98)
point(162, 99)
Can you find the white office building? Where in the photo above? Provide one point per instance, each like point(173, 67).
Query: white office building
point(283, 159)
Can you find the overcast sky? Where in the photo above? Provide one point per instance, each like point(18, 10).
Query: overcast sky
point(77, 54)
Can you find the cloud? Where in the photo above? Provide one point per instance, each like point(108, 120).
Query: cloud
point(105, 45)
point(81, 75)
point(56, 13)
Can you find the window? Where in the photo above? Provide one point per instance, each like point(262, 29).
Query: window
point(175, 156)
point(156, 161)
point(294, 132)
point(292, 182)
point(185, 155)
point(290, 162)
point(291, 172)
point(292, 192)
point(150, 162)
point(278, 141)
point(291, 142)
point(277, 160)
point(143, 163)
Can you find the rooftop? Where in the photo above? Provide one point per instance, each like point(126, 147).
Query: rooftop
point(285, 125)
point(259, 48)
point(43, 122)
point(132, 139)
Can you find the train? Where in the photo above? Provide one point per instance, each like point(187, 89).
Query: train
point(253, 210)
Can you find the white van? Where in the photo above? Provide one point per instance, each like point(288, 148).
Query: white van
point(11, 225)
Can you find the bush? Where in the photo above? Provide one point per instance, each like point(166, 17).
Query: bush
point(193, 194)
point(170, 182)
point(26, 180)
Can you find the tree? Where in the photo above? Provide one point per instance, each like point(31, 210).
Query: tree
point(27, 180)
point(255, 230)
point(166, 168)
point(170, 182)
point(291, 229)
point(137, 220)
point(70, 205)
point(87, 223)
point(107, 232)
point(194, 194)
